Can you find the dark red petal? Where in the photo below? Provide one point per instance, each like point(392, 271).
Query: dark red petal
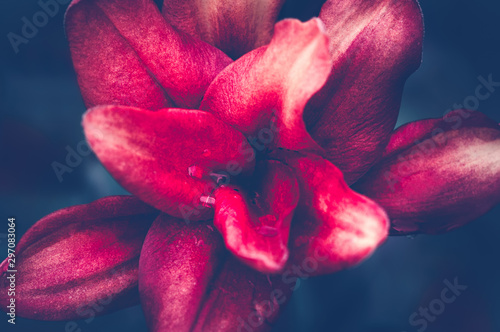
point(189, 283)
point(165, 157)
point(79, 257)
point(375, 46)
point(256, 229)
point(121, 48)
point(263, 93)
point(410, 134)
point(107, 68)
point(438, 174)
point(242, 299)
point(334, 227)
point(178, 261)
point(235, 27)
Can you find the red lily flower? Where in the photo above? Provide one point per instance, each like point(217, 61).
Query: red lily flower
point(241, 170)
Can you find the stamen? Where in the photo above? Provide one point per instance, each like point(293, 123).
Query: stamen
point(207, 201)
point(220, 178)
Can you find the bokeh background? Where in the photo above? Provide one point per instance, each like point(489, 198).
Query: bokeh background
point(41, 108)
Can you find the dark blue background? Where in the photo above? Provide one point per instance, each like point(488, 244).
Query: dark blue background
point(41, 109)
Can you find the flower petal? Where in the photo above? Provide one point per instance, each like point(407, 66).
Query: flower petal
point(121, 49)
point(165, 157)
point(188, 282)
point(108, 69)
point(274, 83)
point(333, 226)
point(242, 299)
point(256, 229)
point(235, 27)
point(177, 263)
point(438, 174)
point(81, 256)
point(375, 46)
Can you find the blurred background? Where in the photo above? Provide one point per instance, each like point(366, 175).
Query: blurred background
point(40, 113)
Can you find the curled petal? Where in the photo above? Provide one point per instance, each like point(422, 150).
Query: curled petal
point(375, 46)
point(264, 93)
point(165, 157)
point(80, 257)
point(125, 53)
point(333, 226)
point(256, 224)
point(188, 282)
point(438, 174)
point(235, 27)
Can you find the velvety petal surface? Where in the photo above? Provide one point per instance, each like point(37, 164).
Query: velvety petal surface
point(166, 157)
point(263, 93)
point(255, 223)
point(188, 282)
point(375, 46)
point(77, 258)
point(438, 174)
point(235, 27)
point(177, 263)
point(242, 299)
point(125, 53)
point(333, 227)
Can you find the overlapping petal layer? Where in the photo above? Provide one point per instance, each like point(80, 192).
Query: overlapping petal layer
point(375, 46)
point(235, 27)
point(166, 157)
point(187, 283)
point(438, 174)
point(263, 93)
point(125, 53)
point(175, 159)
point(77, 258)
point(333, 227)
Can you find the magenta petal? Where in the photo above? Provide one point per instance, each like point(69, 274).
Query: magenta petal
point(243, 299)
point(165, 157)
point(438, 174)
point(263, 93)
point(178, 261)
point(235, 27)
point(120, 48)
point(375, 46)
point(256, 224)
point(333, 227)
point(189, 283)
point(79, 257)
point(107, 67)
